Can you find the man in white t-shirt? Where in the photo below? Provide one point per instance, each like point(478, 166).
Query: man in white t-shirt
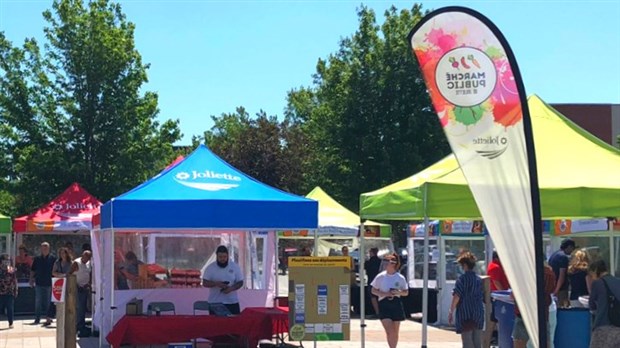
point(81, 267)
point(223, 277)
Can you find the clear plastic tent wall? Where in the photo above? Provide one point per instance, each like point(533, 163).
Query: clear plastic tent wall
point(175, 252)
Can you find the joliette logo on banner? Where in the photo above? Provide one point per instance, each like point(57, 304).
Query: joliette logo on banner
point(207, 180)
point(72, 206)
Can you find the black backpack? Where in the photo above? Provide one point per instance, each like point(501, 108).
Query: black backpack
point(613, 306)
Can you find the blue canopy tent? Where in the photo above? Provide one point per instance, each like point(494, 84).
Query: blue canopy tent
point(185, 212)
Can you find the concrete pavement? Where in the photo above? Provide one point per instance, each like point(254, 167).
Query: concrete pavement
point(24, 335)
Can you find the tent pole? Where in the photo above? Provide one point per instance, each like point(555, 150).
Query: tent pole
point(9, 246)
point(112, 307)
point(100, 291)
point(362, 288)
point(315, 250)
point(612, 257)
point(276, 241)
point(425, 270)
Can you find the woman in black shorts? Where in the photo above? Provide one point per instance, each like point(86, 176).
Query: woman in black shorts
point(389, 286)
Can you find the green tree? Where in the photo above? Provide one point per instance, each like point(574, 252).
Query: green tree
point(368, 117)
point(74, 111)
point(262, 147)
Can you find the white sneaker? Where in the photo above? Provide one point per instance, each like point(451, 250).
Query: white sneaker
point(10, 326)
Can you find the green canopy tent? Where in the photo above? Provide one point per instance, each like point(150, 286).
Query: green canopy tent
point(577, 174)
point(5, 235)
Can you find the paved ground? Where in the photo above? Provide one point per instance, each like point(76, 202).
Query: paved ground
point(24, 335)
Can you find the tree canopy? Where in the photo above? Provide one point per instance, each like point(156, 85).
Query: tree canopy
point(74, 109)
point(365, 122)
point(269, 150)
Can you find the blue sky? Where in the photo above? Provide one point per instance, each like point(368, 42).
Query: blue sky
point(208, 57)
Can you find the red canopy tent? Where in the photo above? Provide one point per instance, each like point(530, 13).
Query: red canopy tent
point(65, 219)
point(71, 211)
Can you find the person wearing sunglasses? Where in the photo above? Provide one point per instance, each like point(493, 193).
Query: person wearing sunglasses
point(389, 286)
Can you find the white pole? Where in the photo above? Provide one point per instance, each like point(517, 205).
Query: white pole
point(411, 261)
point(9, 247)
point(277, 252)
point(612, 256)
point(315, 250)
point(441, 280)
point(362, 256)
point(112, 307)
point(425, 282)
point(100, 293)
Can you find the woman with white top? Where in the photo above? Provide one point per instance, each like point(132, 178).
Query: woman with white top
point(389, 286)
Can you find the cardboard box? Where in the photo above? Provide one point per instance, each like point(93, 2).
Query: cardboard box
point(134, 307)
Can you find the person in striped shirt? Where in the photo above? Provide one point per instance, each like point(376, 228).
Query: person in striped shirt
point(467, 300)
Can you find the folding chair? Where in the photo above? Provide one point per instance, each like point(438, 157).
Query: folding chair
point(201, 306)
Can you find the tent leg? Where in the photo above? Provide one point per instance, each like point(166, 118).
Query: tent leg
point(425, 282)
point(277, 255)
point(362, 255)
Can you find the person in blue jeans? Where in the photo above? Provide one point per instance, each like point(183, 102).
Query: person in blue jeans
point(81, 267)
point(41, 280)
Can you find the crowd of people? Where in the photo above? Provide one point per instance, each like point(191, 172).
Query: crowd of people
point(39, 271)
point(568, 275)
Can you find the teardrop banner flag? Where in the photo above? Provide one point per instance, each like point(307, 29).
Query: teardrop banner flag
point(477, 92)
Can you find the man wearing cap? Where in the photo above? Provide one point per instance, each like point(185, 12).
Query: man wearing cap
point(559, 262)
point(223, 277)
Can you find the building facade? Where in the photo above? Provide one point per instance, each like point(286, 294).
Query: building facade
point(602, 120)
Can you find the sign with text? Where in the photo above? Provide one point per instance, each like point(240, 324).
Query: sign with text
point(565, 226)
point(319, 297)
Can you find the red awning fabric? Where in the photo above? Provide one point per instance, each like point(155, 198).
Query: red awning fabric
point(72, 210)
point(176, 160)
point(96, 220)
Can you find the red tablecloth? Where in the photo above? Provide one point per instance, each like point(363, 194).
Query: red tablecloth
point(266, 320)
point(253, 324)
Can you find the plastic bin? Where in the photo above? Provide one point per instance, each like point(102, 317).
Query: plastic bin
point(505, 314)
point(573, 328)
